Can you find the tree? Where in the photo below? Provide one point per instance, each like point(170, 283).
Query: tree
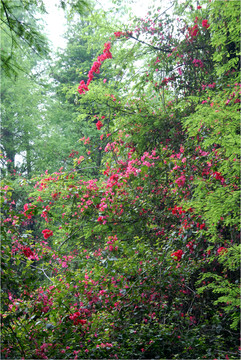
point(23, 29)
point(136, 263)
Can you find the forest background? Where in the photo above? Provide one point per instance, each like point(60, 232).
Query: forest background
point(121, 224)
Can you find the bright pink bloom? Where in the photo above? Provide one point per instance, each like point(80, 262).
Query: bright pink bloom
point(75, 319)
point(181, 181)
point(95, 68)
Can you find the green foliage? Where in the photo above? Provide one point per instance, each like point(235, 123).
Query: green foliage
point(22, 32)
point(225, 36)
point(225, 285)
point(131, 250)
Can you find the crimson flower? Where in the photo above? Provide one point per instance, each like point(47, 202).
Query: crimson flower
point(75, 319)
point(205, 24)
point(99, 125)
point(222, 250)
point(193, 31)
point(28, 252)
point(47, 233)
point(177, 255)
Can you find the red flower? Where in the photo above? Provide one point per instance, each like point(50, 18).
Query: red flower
point(193, 31)
point(222, 250)
point(95, 68)
point(28, 207)
point(199, 7)
point(218, 176)
point(99, 125)
point(27, 252)
point(75, 319)
point(177, 255)
point(205, 24)
point(47, 233)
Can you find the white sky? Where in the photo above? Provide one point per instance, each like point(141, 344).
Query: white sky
point(56, 22)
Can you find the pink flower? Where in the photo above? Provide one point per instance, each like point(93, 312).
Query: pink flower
point(95, 68)
point(180, 181)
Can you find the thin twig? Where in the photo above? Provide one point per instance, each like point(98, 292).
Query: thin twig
point(69, 237)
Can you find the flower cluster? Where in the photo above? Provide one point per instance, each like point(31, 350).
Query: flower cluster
point(76, 320)
point(28, 207)
point(205, 24)
point(28, 252)
point(165, 81)
point(217, 175)
point(121, 33)
point(47, 233)
point(222, 250)
point(177, 255)
point(99, 125)
point(197, 63)
point(102, 345)
point(73, 153)
point(95, 68)
point(193, 31)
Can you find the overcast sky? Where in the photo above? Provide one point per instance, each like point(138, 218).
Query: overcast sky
point(55, 20)
point(55, 23)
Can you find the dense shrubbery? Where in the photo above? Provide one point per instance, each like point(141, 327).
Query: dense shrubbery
point(143, 260)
